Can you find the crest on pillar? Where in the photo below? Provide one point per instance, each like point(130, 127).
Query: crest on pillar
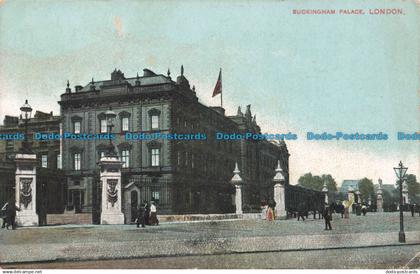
point(25, 191)
point(112, 192)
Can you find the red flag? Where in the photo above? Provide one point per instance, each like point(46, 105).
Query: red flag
point(218, 87)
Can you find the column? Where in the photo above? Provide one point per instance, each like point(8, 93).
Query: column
point(25, 189)
point(279, 193)
point(351, 198)
point(110, 176)
point(237, 182)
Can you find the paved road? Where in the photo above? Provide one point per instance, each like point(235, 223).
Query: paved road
point(372, 223)
point(70, 243)
point(379, 258)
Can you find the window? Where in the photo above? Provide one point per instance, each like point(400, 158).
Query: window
point(76, 127)
point(102, 154)
point(179, 158)
point(155, 196)
point(44, 160)
point(76, 161)
point(9, 146)
point(155, 121)
point(125, 158)
point(124, 124)
point(186, 158)
point(103, 125)
point(59, 163)
point(155, 156)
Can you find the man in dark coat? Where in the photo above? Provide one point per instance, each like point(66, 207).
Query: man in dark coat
point(301, 211)
point(11, 214)
point(412, 207)
point(141, 212)
point(327, 217)
point(341, 206)
point(146, 213)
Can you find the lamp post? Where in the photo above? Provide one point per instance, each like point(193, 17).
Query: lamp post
point(110, 116)
point(26, 112)
point(400, 171)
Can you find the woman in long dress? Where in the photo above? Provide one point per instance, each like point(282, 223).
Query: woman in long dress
point(270, 214)
point(264, 208)
point(153, 214)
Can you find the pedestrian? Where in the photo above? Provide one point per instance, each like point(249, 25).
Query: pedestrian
point(270, 214)
point(364, 209)
point(4, 215)
point(327, 217)
point(301, 211)
point(11, 214)
point(146, 213)
point(141, 213)
point(264, 208)
point(153, 214)
point(346, 205)
point(412, 207)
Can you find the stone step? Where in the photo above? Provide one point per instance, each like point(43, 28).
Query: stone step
point(69, 218)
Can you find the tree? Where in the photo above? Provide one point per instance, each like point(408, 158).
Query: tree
point(366, 188)
point(413, 187)
point(309, 181)
point(317, 182)
point(390, 200)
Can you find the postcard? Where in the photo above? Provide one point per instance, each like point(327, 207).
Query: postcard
point(209, 135)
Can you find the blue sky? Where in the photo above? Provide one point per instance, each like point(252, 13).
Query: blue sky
point(300, 73)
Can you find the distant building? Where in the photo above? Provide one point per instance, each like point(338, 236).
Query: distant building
point(349, 183)
point(48, 152)
point(48, 155)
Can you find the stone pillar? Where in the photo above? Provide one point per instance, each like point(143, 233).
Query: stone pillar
point(379, 199)
point(25, 189)
point(237, 182)
point(405, 192)
point(325, 191)
point(279, 193)
point(110, 176)
point(351, 198)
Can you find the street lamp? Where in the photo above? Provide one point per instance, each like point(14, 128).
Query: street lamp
point(400, 171)
point(26, 112)
point(110, 116)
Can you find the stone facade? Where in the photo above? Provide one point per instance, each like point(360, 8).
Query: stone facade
point(47, 152)
point(181, 176)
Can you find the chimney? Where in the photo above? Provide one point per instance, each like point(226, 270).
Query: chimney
point(78, 88)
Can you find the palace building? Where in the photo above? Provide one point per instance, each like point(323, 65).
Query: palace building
point(181, 176)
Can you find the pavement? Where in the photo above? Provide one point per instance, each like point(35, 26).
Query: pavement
point(90, 242)
point(389, 257)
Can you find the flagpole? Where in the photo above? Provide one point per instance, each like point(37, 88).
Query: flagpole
point(221, 99)
point(221, 92)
